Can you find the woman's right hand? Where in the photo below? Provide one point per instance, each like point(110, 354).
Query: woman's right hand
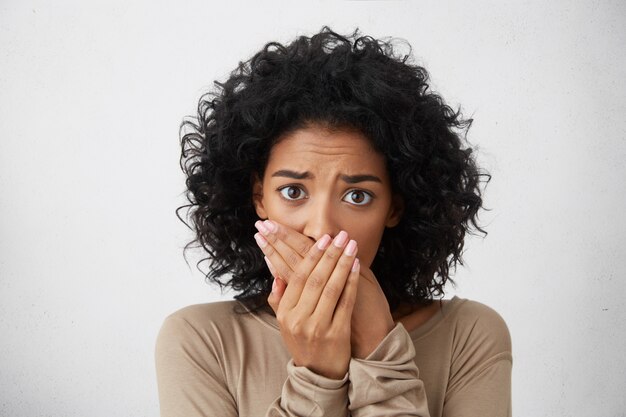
point(314, 311)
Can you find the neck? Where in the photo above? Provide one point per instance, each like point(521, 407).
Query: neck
point(413, 316)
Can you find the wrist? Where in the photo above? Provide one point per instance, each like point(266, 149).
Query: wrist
point(335, 371)
point(363, 345)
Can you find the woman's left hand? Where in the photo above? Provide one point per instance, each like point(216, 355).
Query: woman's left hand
point(371, 318)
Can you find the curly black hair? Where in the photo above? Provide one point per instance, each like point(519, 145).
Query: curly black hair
point(337, 81)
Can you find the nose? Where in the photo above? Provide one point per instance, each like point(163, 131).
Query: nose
point(321, 219)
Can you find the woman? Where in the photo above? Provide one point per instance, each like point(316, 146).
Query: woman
point(331, 191)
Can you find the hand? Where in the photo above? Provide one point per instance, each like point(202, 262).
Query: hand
point(315, 308)
point(371, 319)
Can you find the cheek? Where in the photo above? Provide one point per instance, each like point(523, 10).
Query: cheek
point(368, 239)
point(280, 213)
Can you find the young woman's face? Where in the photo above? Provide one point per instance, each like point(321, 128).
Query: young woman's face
point(319, 182)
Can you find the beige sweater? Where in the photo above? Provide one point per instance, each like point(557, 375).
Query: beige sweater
point(213, 362)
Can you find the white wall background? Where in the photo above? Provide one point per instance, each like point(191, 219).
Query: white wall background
point(91, 97)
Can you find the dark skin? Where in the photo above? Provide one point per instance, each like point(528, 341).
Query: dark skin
point(315, 306)
point(288, 240)
point(328, 199)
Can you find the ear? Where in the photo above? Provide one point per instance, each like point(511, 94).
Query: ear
point(396, 210)
point(257, 196)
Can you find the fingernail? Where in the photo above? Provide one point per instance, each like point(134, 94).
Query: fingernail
point(274, 285)
point(340, 239)
point(269, 265)
point(355, 265)
point(351, 248)
point(323, 242)
point(270, 226)
point(261, 227)
point(260, 240)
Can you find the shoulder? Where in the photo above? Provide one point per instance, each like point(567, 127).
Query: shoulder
point(200, 314)
point(216, 323)
point(481, 361)
point(479, 330)
point(196, 324)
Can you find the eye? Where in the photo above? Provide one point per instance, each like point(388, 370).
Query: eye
point(358, 197)
point(292, 192)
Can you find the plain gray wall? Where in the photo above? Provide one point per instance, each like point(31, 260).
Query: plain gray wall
point(91, 97)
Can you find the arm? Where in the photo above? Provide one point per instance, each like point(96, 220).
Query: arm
point(308, 394)
point(386, 382)
point(374, 338)
point(486, 393)
point(191, 382)
point(383, 375)
point(480, 373)
point(314, 318)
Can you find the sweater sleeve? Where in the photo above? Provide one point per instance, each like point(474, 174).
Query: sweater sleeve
point(486, 394)
point(192, 383)
point(306, 393)
point(386, 382)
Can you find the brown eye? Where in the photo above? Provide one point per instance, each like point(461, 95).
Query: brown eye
point(292, 192)
point(358, 197)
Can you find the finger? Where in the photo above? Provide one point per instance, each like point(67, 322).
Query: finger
point(291, 245)
point(275, 263)
point(278, 288)
point(269, 231)
point(271, 267)
point(299, 278)
point(280, 268)
point(291, 237)
point(345, 305)
point(329, 276)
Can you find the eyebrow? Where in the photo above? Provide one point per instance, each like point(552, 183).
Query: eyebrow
point(350, 179)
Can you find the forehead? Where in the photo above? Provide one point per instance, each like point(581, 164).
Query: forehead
point(318, 145)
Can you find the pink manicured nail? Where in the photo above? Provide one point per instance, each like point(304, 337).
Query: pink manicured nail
point(323, 242)
point(351, 248)
point(270, 226)
point(355, 265)
point(340, 239)
point(261, 227)
point(269, 266)
point(260, 240)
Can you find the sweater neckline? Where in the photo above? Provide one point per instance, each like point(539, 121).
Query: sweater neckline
point(447, 307)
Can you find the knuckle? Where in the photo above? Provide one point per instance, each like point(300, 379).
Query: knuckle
point(304, 247)
point(292, 259)
point(341, 332)
point(280, 234)
point(334, 332)
point(271, 237)
point(280, 317)
point(315, 281)
point(345, 303)
point(314, 255)
point(269, 250)
point(332, 254)
point(297, 328)
point(346, 261)
point(332, 291)
point(319, 333)
point(284, 272)
point(297, 276)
